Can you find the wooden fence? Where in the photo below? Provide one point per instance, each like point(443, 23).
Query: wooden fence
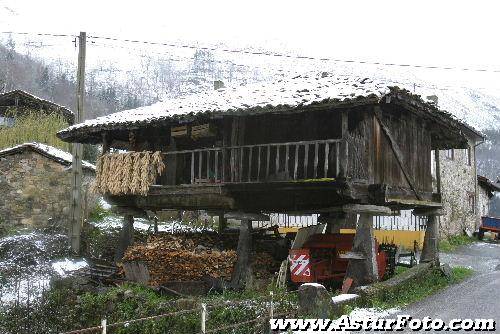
point(258, 163)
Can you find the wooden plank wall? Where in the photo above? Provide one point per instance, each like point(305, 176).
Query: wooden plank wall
point(414, 141)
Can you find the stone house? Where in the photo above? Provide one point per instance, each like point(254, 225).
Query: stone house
point(35, 183)
point(458, 185)
point(486, 191)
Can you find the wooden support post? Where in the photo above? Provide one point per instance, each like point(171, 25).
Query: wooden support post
point(76, 212)
point(296, 164)
point(105, 143)
point(203, 318)
point(155, 222)
point(242, 272)
point(258, 163)
point(438, 170)
point(250, 153)
point(126, 237)
point(171, 163)
point(344, 153)
point(327, 151)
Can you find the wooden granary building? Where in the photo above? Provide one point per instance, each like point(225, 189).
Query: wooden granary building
point(315, 143)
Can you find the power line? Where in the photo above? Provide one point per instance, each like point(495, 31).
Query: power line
point(262, 53)
point(273, 54)
point(37, 34)
point(266, 53)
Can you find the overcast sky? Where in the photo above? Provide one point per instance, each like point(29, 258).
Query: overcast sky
point(443, 33)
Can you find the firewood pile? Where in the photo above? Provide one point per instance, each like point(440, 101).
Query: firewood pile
point(264, 265)
point(191, 257)
point(182, 258)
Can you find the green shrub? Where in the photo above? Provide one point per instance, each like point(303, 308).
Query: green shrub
point(417, 289)
point(33, 127)
point(453, 242)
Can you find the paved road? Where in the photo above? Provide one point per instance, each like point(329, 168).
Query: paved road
point(476, 297)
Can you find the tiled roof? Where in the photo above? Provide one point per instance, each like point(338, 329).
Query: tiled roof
point(48, 151)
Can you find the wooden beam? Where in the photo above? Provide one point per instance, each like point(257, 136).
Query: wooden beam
point(419, 212)
point(251, 216)
point(136, 212)
point(363, 208)
point(397, 151)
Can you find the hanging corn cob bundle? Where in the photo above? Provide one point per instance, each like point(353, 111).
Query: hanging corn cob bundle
point(128, 173)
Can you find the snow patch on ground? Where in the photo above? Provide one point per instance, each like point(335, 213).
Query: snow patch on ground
point(364, 313)
point(66, 266)
point(105, 205)
point(24, 289)
point(343, 297)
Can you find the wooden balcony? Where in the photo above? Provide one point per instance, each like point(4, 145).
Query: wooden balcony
point(274, 162)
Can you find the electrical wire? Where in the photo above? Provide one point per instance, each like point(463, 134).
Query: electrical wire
point(260, 53)
point(273, 54)
point(264, 53)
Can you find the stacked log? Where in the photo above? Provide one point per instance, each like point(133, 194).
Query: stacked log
point(192, 257)
point(182, 258)
point(264, 265)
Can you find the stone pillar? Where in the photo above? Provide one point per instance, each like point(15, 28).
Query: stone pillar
point(362, 267)
point(363, 270)
point(126, 237)
point(242, 272)
point(430, 250)
point(222, 224)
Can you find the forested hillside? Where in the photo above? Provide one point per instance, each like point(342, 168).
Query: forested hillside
point(109, 86)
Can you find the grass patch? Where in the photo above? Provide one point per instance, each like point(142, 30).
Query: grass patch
point(417, 289)
point(400, 270)
point(32, 126)
point(62, 310)
point(453, 242)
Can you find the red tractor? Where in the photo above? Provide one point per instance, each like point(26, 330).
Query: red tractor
point(323, 258)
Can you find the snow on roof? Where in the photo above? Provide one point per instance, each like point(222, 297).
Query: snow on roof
point(300, 90)
point(48, 151)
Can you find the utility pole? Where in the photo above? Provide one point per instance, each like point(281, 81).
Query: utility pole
point(76, 170)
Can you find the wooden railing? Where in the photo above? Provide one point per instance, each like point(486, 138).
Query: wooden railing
point(257, 163)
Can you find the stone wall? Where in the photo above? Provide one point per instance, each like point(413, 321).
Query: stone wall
point(35, 188)
point(458, 191)
point(483, 202)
